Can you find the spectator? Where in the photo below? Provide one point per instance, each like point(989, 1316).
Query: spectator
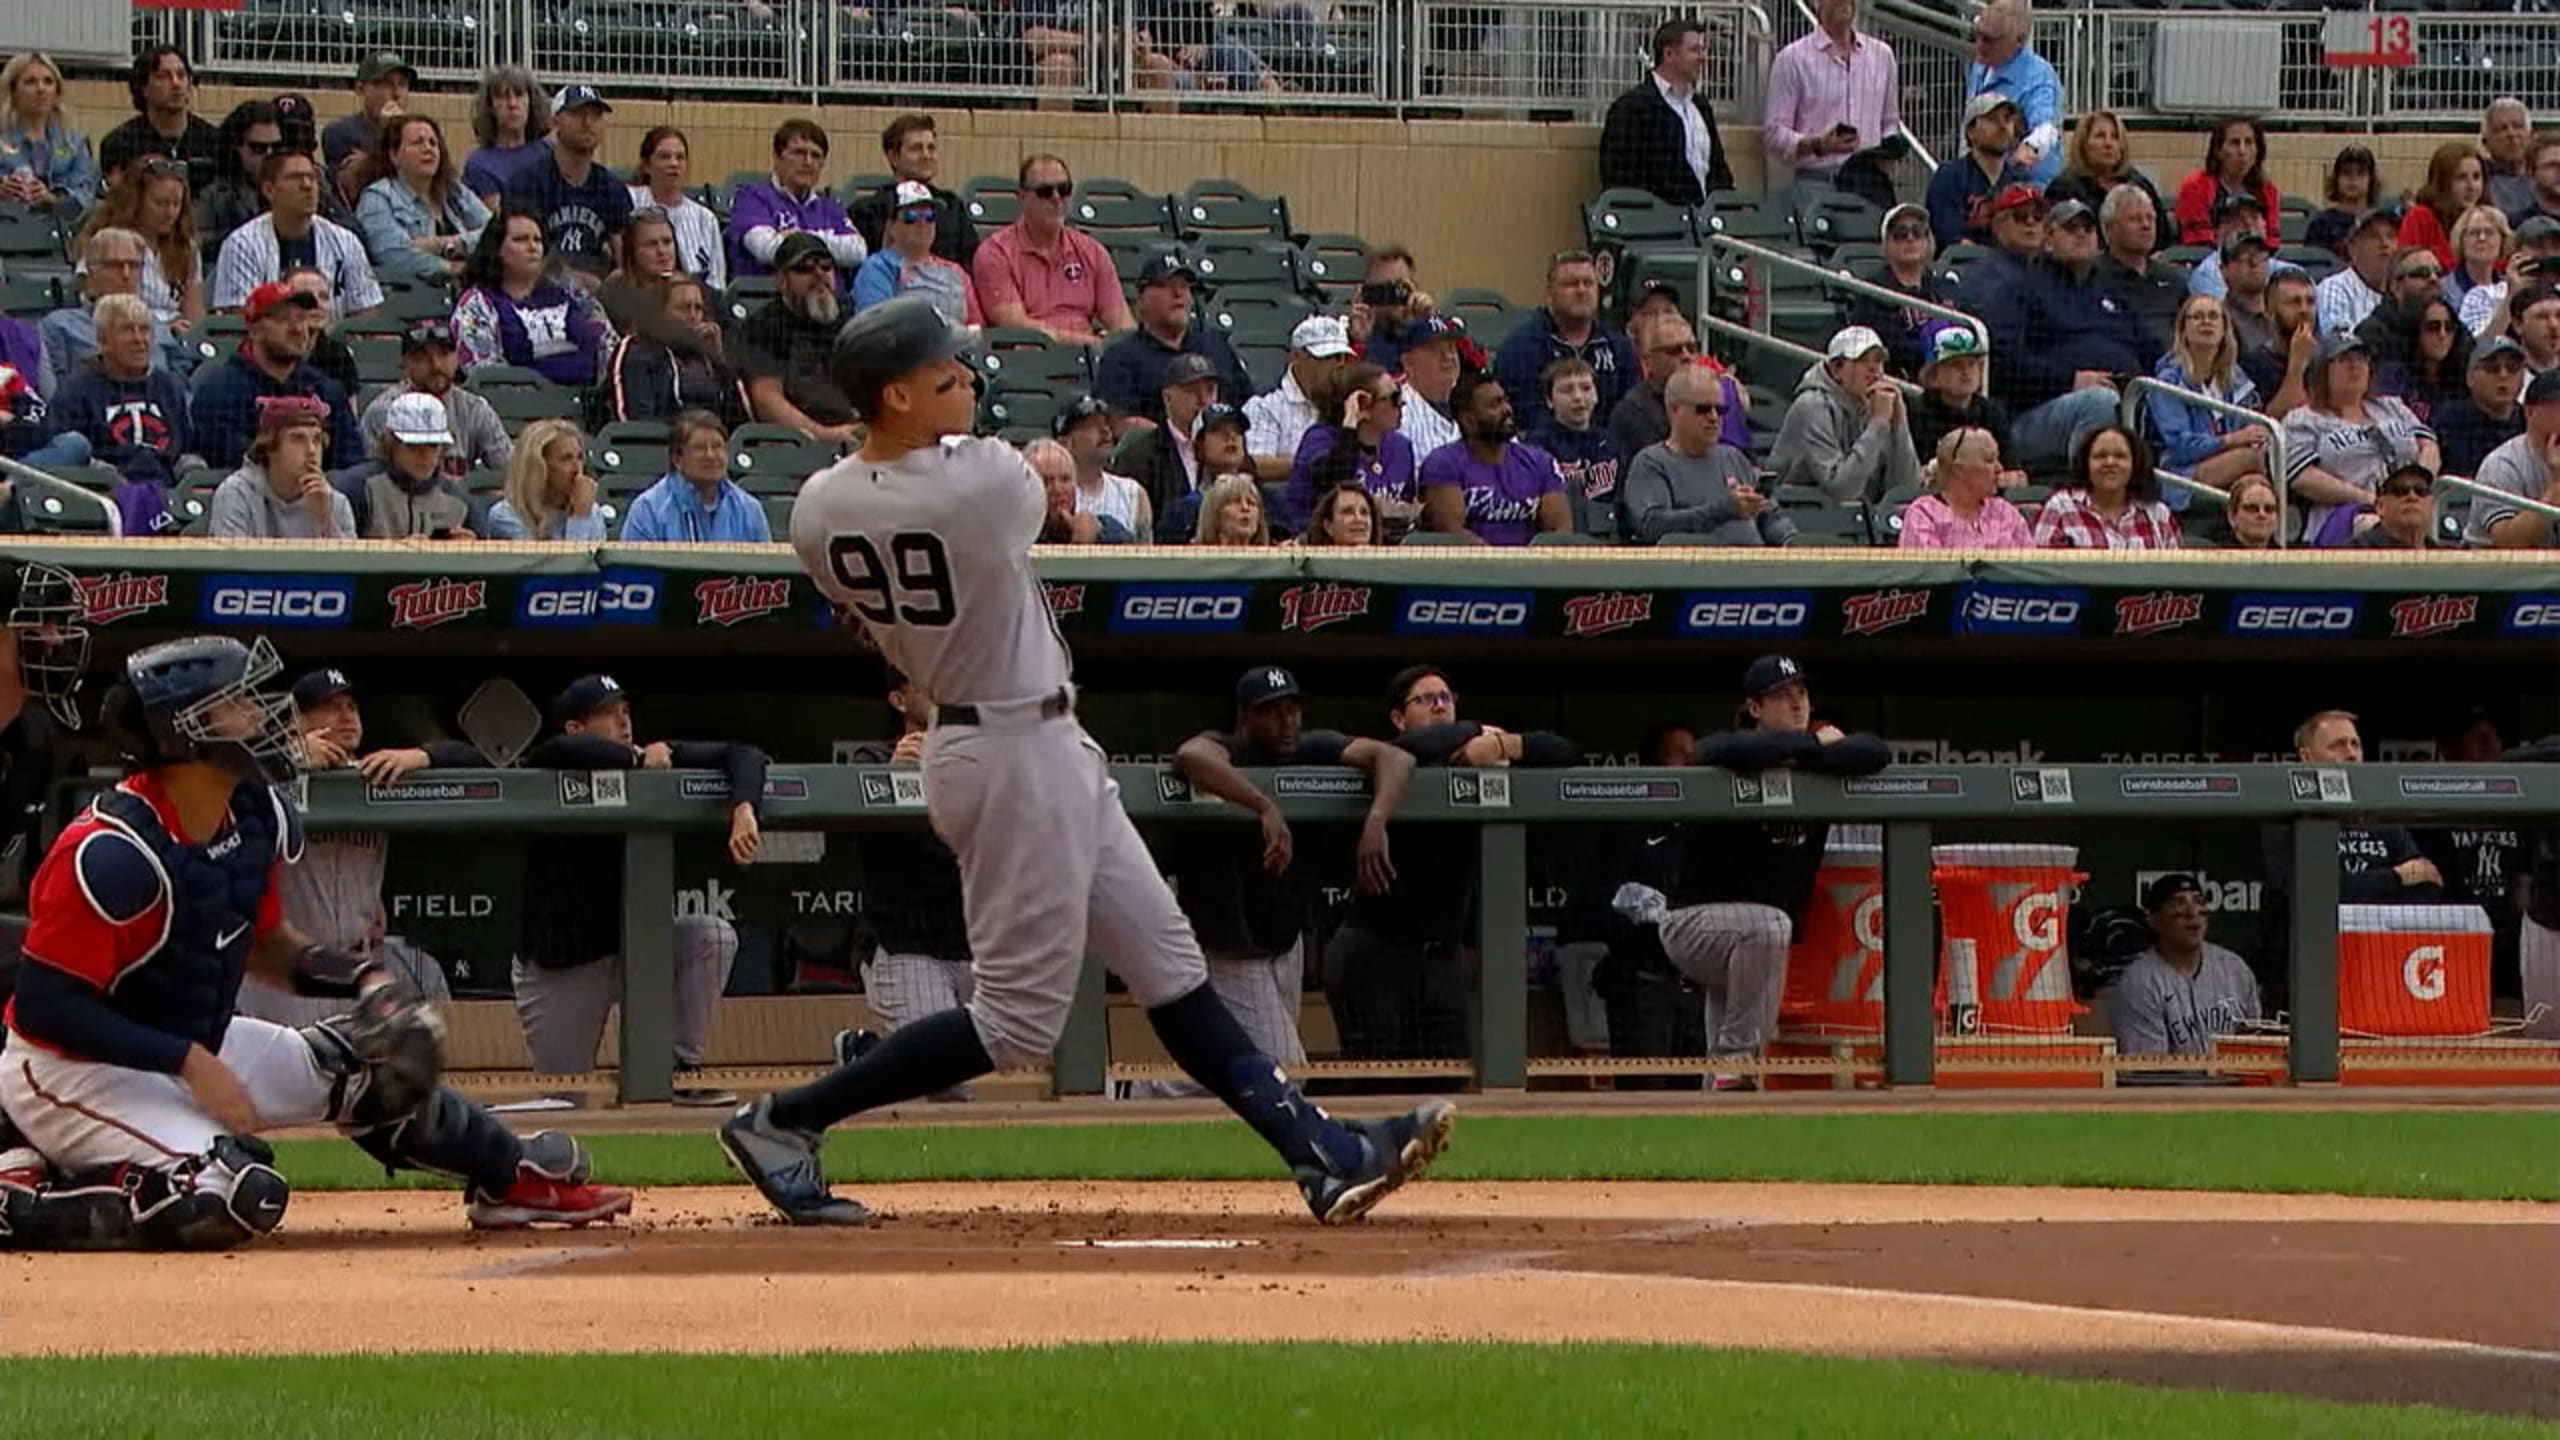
point(2203, 444)
point(2182, 991)
point(383, 82)
point(429, 363)
point(1042, 273)
point(784, 346)
point(229, 198)
point(2149, 287)
point(279, 491)
point(2345, 438)
point(2235, 163)
point(1641, 418)
point(677, 363)
point(550, 495)
point(1347, 515)
point(1231, 513)
point(1220, 447)
point(513, 313)
point(2486, 863)
point(1953, 394)
point(1129, 372)
point(796, 202)
point(1084, 427)
point(1964, 509)
point(2489, 413)
point(666, 163)
point(914, 151)
point(418, 219)
point(111, 262)
point(2404, 514)
point(580, 203)
point(1834, 100)
point(568, 969)
point(2527, 466)
point(510, 117)
point(1846, 434)
point(1961, 191)
point(2481, 239)
point(695, 502)
point(2281, 371)
point(25, 435)
point(2533, 246)
point(2506, 135)
point(2429, 374)
point(2245, 273)
point(1908, 249)
point(645, 263)
point(1693, 484)
point(1587, 458)
point(1488, 484)
point(1661, 136)
point(2457, 176)
point(163, 87)
point(1433, 355)
point(329, 354)
point(1649, 1009)
point(44, 163)
point(293, 233)
point(2005, 62)
point(2537, 323)
point(2376, 864)
point(2097, 163)
point(904, 260)
point(2544, 203)
point(272, 363)
point(150, 199)
point(1567, 325)
point(2353, 189)
point(1386, 308)
point(2251, 516)
point(2112, 501)
point(2347, 297)
point(1355, 441)
point(1278, 418)
point(2063, 341)
point(1065, 523)
point(2235, 217)
point(119, 402)
point(406, 494)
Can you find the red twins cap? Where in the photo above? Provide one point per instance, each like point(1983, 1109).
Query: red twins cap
point(2016, 197)
point(272, 294)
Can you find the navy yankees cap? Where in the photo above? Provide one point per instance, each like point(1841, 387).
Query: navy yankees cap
point(1768, 673)
point(1264, 684)
point(1075, 412)
point(1220, 415)
point(320, 685)
point(585, 696)
point(2169, 887)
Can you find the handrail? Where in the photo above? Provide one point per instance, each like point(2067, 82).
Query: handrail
point(1919, 147)
point(1718, 325)
point(1842, 279)
point(17, 473)
point(2277, 468)
point(2470, 486)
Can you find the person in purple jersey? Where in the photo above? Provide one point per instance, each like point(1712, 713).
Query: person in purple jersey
point(1355, 440)
point(796, 200)
point(1489, 484)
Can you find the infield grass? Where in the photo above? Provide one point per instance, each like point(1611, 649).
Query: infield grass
point(1191, 1391)
point(2430, 1154)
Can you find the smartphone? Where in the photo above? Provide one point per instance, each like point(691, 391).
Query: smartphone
point(1385, 293)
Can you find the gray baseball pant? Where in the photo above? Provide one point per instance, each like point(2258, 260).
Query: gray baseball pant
point(1586, 1018)
point(905, 987)
point(1737, 953)
point(564, 1010)
point(1264, 993)
point(2538, 958)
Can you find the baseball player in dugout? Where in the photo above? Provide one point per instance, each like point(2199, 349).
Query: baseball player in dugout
point(44, 643)
point(1248, 893)
point(1399, 970)
point(133, 1094)
point(924, 537)
point(1744, 887)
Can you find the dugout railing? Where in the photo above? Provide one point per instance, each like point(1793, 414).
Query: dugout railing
point(648, 809)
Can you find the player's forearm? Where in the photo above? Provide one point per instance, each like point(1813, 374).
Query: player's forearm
point(64, 1011)
point(1390, 775)
point(1206, 765)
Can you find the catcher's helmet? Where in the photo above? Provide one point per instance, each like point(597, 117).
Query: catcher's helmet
point(888, 340)
point(50, 614)
point(199, 699)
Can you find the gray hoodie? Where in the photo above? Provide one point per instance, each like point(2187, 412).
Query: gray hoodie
point(245, 507)
point(1828, 441)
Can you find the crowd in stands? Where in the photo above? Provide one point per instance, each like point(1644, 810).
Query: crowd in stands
point(282, 257)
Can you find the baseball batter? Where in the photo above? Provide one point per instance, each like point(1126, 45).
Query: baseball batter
point(922, 538)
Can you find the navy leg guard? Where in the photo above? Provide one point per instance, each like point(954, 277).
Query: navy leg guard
point(1213, 1050)
point(917, 1059)
point(448, 1136)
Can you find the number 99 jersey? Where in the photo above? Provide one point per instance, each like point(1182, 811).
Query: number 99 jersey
point(932, 552)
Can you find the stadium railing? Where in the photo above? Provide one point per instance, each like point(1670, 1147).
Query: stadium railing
point(2131, 416)
point(649, 808)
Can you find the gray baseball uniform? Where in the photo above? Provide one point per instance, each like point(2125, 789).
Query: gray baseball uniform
point(2158, 1011)
point(930, 552)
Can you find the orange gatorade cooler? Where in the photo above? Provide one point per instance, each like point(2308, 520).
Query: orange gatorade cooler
point(1835, 969)
point(2011, 904)
point(2413, 969)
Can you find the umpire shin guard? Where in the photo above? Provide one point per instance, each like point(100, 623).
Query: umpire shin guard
point(448, 1136)
point(917, 1059)
point(1213, 1049)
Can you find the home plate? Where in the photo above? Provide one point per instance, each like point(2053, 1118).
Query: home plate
point(1158, 1244)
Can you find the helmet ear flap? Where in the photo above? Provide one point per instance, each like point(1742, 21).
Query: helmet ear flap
point(122, 721)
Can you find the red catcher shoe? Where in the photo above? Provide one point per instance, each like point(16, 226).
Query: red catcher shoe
point(23, 1169)
point(537, 1199)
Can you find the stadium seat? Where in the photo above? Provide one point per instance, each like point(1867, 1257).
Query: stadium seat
point(630, 447)
point(760, 452)
point(377, 358)
point(1630, 217)
point(1258, 314)
point(216, 336)
point(1131, 250)
point(28, 296)
point(857, 186)
point(2293, 225)
point(896, 50)
point(1759, 226)
point(1335, 264)
point(1108, 207)
point(192, 507)
point(993, 201)
point(777, 514)
point(1958, 258)
point(1264, 362)
point(485, 482)
point(1215, 205)
point(1832, 524)
point(749, 293)
point(1833, 217)
point(2316, 262)
point(486, 378)
point(1565, 537)
point(1048, 364)
point(2185, 256)
point(521, 405)
point(30, 235)
point(407, 303)
point(1238, 260)
point(1029, 407)
point(1435, 537)
point(54, 506)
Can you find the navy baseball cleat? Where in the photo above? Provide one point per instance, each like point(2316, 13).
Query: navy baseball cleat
point(1399, 1149)
point(852, 1045)
point(782, 1163)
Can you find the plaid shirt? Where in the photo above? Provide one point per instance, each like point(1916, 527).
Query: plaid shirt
point(2067, 522)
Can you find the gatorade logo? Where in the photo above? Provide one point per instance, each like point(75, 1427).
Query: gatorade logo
point(2038, 921)
point(2423, 973)
point(1867, 922)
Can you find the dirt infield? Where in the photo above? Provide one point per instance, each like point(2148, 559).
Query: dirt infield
point(2444, 1302)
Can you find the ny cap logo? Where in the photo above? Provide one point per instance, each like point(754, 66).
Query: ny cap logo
point(1275, 678)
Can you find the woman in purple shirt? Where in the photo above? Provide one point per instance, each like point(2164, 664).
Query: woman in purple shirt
point(513, 313)
point(1486, 483)
point(1355, 439)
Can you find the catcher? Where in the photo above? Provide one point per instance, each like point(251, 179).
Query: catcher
point(124, 1065)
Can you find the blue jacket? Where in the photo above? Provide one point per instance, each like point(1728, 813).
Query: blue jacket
point(225, 412)
point(668, 511)
point(1128, 375)
point(1954, 191)
point(390, 216)
point(60, 157)
point(1521, 365)
point(2045, 326)
point(2028, 79)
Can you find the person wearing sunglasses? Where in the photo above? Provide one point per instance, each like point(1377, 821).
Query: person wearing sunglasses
point(2251, 516)
point(2404, 513)
point(229, 198)
point(783, 346)
point(906, 260)
point(1694, 484)
point(1358, 438)
point(1908, 248)
point(2005, 63)
point(795, 202)
point(2428, 374)
point(1044, 274)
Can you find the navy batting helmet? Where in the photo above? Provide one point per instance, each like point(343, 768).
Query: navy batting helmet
point(201, 699)
point(46, 608)
point(891, 339)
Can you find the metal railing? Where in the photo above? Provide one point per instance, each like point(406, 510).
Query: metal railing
point(2131, 414)
point(2467, 486)
point(1831, 279)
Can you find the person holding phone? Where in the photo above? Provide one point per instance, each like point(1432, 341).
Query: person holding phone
point(1834, 97)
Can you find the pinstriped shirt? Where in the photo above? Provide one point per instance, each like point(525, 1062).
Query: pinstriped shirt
point(1813, 86)
point(251, 257)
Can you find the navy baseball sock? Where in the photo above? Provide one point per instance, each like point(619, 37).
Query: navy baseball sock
point(1213, 1049)
point(934, 1053)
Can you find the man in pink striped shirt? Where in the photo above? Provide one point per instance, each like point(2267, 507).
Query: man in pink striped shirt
point(1831, 95)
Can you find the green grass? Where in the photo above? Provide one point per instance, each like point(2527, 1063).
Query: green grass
point(1191, 1391)
point(2438, 1154)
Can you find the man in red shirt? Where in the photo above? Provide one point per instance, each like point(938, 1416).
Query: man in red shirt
point(1044, 274)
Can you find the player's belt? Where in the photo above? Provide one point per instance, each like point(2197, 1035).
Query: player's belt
point(1063, 702)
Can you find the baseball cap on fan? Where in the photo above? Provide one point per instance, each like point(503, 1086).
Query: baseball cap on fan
point(585, 696)
point(1321, 336)
point(417, 418)
point(572, 97)
point(2169, 887)
point(1854, 342)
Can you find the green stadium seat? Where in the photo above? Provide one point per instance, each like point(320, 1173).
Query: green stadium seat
point(777, 514)
point(1013, 405)
point(377, 358)
point(1335, 264)
point(1830, 218)
point(1435, 537)
point(1628, 217)
point(30, 235)
point(857, 186)
point(521, 405)
point(1130, 251)
point(1238, 260)
point(993, 201)
point(2185, 255)
point(2315, 262)
point(1565, 537)
point(214, 337)
point(1258, 315)
point(629, 447)
point(749, 293)
point(1760, 227)
point(1213, 205)
point(408, 303)
point(777, 453)
point(28, 297)
point(1110, 213)
point(1264, 362)
point(1047, 363)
